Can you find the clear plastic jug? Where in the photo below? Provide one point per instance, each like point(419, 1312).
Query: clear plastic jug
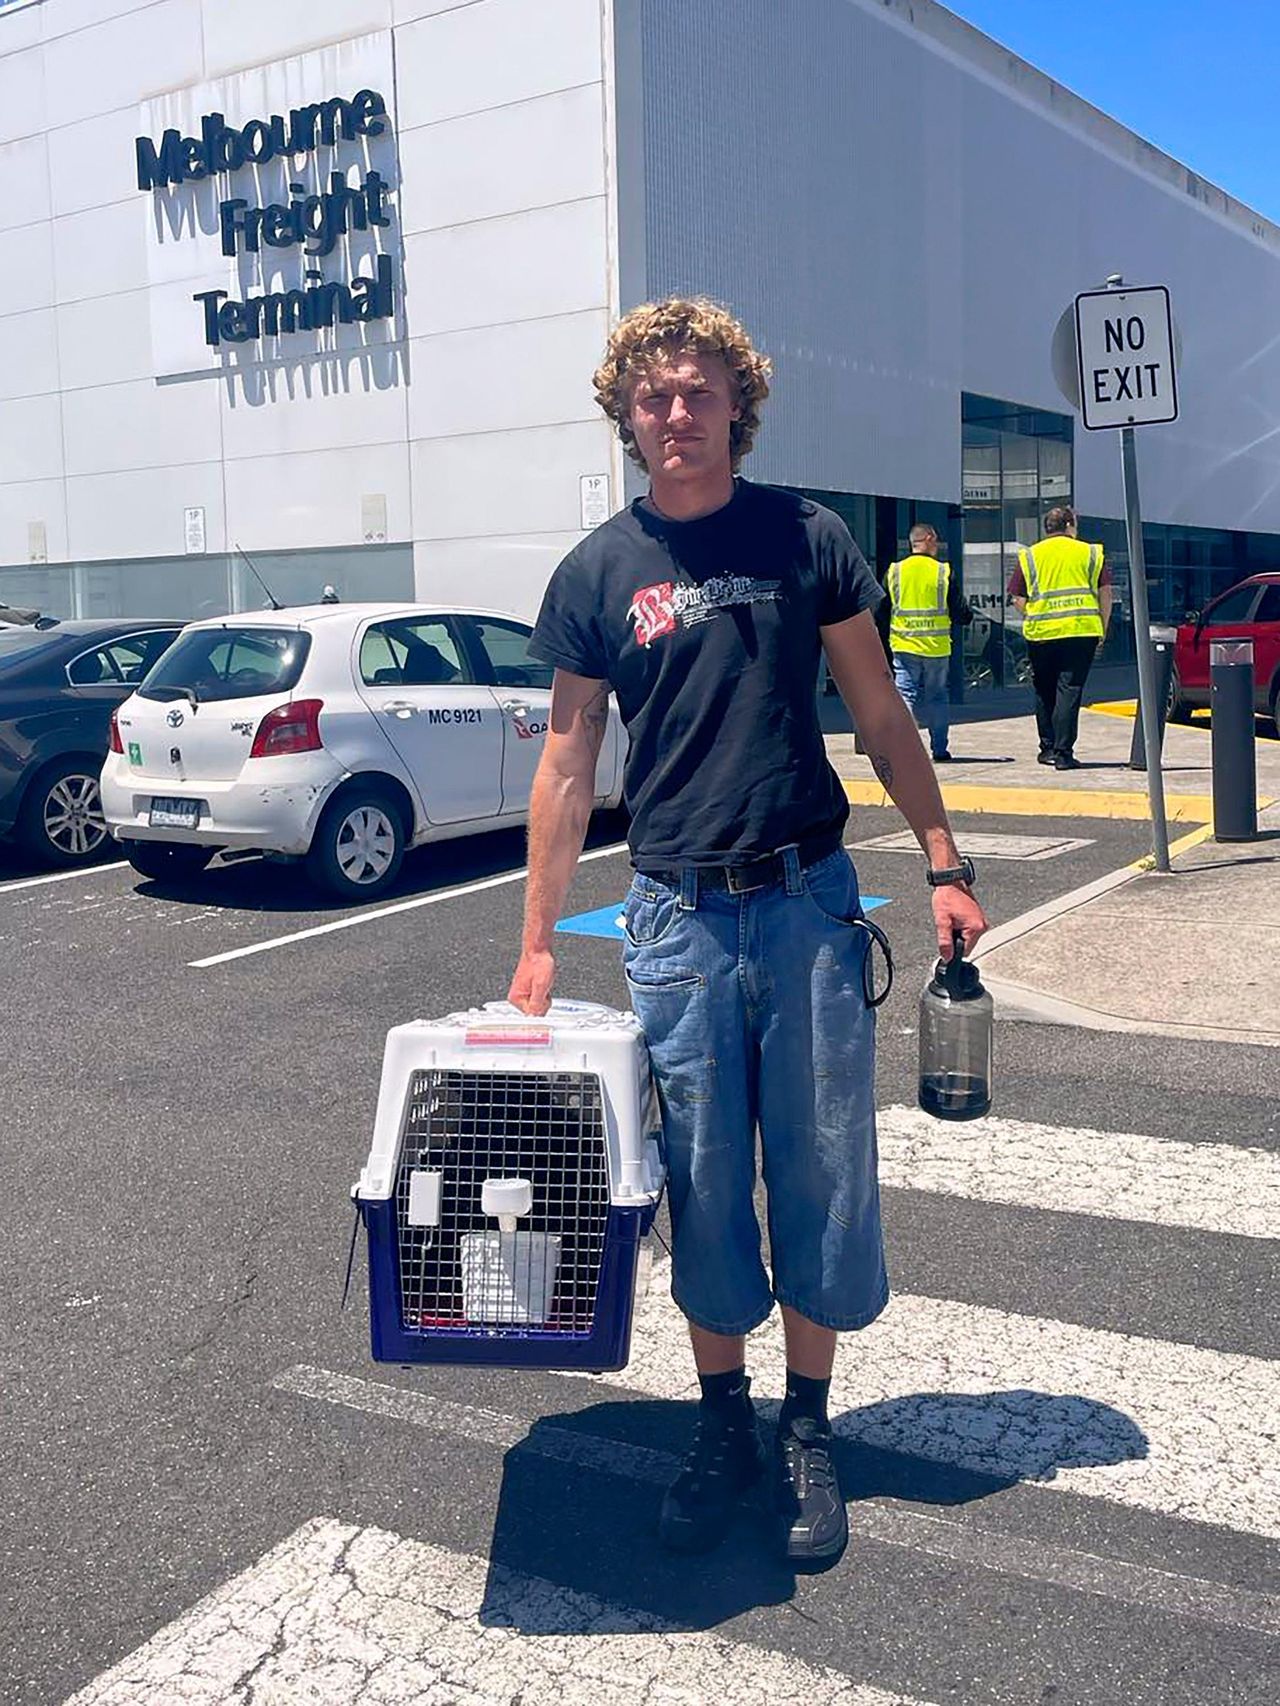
point(956, 1026)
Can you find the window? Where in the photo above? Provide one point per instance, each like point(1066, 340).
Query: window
point(416, 651)
point(507, 647)
point(123, 663)
point(229, 663)
point(1233, 607)
point(1269, 609)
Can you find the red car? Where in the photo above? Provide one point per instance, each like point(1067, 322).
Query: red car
point(1249, 611)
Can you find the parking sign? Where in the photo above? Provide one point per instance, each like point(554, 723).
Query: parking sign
point(1124, 351)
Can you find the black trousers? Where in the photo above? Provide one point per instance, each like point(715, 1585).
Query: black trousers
point(1059, 670)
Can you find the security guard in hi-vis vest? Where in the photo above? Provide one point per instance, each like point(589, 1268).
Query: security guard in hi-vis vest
point(1063, 589)
point(924, 601)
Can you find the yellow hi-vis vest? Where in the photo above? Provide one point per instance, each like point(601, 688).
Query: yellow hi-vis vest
point(919, 623)
point(1062, 576)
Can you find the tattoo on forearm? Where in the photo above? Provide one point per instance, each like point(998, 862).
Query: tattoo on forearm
point(595, 713)
point(883, 769)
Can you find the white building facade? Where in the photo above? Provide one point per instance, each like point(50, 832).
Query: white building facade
point(324, 282)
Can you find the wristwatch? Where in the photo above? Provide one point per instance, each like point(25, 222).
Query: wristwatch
point(961, 873)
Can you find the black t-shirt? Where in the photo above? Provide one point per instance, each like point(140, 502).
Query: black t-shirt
point(707, 631)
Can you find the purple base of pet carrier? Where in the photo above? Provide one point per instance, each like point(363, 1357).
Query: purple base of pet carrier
point(604, 1348)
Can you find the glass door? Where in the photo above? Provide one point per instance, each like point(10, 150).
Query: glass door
point(1016, 465)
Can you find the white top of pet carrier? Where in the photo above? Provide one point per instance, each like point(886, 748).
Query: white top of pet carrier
point(575, 1036)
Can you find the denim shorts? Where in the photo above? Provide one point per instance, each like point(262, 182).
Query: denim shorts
point(756, 1017)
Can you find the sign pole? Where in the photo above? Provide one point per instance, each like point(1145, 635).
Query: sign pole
point(1142, 642)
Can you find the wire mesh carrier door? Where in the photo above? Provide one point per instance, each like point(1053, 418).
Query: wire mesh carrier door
point(516, 1166)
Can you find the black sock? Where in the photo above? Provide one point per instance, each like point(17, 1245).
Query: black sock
point(805, 1397)
point(724, 1391)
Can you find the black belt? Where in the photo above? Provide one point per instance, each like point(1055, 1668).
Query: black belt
point(757, 873)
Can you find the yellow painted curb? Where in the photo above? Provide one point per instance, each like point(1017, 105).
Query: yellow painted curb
point(1116, 708)
point(1048, 802)
point(1129, 708)
point(1183, 844)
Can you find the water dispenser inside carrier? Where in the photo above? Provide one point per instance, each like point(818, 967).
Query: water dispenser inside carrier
point(514, 1170)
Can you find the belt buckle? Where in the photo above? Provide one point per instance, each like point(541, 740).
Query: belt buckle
point(735, 885)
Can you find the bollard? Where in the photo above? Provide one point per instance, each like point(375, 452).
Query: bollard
point(1162, 644)
point(1235, 786)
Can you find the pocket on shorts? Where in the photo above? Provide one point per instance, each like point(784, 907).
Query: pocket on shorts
point(649, 914)
point(663, 978)
point(832, 886)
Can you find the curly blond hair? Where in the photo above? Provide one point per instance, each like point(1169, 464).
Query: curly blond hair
point(675, 325)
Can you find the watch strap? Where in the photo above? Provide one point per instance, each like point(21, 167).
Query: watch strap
point(961, 873)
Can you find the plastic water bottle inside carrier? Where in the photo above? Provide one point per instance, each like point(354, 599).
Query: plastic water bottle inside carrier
point(516, 1168)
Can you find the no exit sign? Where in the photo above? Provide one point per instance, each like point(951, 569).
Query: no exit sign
point(1124, 349)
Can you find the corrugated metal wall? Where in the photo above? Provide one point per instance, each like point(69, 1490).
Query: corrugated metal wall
point(897, 223)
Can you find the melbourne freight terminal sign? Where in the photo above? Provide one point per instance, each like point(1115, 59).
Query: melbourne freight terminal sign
point(310, 223)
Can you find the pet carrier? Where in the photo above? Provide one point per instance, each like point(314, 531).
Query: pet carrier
point(516, 1166)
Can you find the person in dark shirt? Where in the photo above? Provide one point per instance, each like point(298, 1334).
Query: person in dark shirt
point(706, 606)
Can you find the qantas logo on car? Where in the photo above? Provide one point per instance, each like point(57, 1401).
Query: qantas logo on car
point(528, 731)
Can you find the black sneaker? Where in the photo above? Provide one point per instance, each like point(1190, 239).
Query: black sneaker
point(807, 1494)
point(942, 758)
point(1044, 758)
point(727, 1456)
point(1066, 761)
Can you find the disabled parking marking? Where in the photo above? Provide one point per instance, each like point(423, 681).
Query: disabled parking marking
point(606, 921)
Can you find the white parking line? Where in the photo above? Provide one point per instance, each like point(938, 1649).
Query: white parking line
point(939, 1536)
point(343, 1616)
point(389, 911)
point(62, 876)
point(1213, 1187)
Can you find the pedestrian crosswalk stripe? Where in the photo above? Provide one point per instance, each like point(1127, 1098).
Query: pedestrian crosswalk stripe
point(1214, 1187)
point(938, 1535)
point(338, 1615)
point(1165, 1427)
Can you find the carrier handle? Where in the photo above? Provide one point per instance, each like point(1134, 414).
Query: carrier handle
point(351, 1253)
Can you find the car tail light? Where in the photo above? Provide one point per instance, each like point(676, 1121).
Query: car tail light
point(117, 745)
point(294, 727)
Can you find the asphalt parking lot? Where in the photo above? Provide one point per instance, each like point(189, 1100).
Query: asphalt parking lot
point(192, 1077)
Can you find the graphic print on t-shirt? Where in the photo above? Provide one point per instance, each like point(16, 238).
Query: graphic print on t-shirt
point(657, 610)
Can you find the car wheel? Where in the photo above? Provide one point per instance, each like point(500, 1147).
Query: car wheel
point(1176, 708)
point(61, 821)
point(167, 861)
point(1275, 709)
point(358, 846)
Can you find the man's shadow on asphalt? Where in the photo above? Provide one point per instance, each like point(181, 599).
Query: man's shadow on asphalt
point(579, 1499)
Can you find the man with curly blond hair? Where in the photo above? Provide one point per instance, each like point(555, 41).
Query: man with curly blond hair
point(706, 606)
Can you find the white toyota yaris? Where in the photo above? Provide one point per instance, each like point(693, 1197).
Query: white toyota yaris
point(339, 734)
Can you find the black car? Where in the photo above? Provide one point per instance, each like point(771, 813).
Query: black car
point(58, 687)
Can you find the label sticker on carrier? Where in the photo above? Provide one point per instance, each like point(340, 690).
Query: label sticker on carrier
point(509, 1036)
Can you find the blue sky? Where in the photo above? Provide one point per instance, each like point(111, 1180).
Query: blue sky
point(1196, 77)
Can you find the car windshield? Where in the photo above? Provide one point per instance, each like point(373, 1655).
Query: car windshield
point(228, 663)
point(20, 645)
